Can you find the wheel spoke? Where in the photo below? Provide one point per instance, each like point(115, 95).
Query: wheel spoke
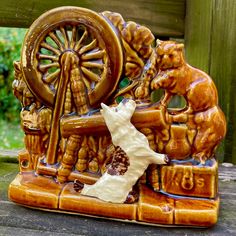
point(104, 73)
point(55, 38)
point(78, 44)
point(90, 75)
point(44, 68)
point(89, 64)
point(65, 36)
point(93, 55)
point(86, 82)
point(88, 47)
point(50, 78)
point(47, 57)
point(50, 48)
point(73, 37)
point(55, 85)
point(131, 65)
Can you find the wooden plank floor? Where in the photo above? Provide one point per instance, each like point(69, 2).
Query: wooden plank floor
point(18, 220)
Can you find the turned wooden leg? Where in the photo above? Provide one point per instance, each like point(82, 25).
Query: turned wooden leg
point(69, 158)
point(153, 176)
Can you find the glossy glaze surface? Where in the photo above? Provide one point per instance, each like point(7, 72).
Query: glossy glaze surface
point(74, 59)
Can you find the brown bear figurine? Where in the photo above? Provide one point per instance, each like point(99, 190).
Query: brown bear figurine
point(201, 112)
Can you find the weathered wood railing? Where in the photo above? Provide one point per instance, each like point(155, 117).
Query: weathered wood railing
point(208, 28)
point(210, 37)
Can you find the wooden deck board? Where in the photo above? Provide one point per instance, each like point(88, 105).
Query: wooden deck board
point(19, 220)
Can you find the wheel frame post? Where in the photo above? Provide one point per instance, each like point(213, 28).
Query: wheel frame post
point(58, 109)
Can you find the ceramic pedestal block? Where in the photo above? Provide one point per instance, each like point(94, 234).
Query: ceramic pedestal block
point(189, 180)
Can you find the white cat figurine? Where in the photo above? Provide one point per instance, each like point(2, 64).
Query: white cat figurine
point(115, 188)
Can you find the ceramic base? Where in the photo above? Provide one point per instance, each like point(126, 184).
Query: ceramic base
point(189, 180)
point(152, 207)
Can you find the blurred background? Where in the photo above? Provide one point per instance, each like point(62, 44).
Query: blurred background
point(11, 136)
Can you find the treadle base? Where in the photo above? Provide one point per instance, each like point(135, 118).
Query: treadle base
point(155, 208)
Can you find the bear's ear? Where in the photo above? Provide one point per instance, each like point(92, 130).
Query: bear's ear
point(179, 46)
point(158, 42)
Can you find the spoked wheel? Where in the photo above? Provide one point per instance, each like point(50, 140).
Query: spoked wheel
point(84, 33)
point(70, 45)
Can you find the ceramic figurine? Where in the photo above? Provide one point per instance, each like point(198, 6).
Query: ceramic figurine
point(95, 141)
point(114, 186)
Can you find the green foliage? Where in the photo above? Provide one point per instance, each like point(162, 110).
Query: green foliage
point(10, 47)
point(11, 135)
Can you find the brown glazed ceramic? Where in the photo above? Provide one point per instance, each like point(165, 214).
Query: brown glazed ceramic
point(74, 59)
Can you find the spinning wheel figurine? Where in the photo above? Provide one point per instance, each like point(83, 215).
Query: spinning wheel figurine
point(147, 164)
point(73, 49)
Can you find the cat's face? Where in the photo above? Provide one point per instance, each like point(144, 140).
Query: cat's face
point(119, 115)
point(169, 55)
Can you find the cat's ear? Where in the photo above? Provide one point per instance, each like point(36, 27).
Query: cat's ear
point(128, 109)
point(105, 109)
point(130, 106)
point(179, 46)
point(120, 106)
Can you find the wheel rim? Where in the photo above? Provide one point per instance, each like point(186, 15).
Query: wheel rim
point(82, 31)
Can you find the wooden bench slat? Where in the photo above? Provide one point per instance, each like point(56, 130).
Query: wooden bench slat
point(32, 222)
point(165, 18)
point(15, 219)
